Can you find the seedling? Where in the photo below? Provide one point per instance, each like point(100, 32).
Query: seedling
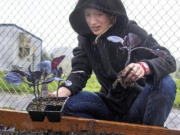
point(46, 73)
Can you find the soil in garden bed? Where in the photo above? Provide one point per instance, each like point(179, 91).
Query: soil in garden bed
point(12, 131)
point(56, 133)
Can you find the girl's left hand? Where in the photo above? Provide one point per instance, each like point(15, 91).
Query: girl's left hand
point(133, 72)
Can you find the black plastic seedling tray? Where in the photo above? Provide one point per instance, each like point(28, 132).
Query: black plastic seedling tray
point(51, 107)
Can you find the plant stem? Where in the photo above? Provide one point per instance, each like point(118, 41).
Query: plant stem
point(34, 87)
point(38, 87)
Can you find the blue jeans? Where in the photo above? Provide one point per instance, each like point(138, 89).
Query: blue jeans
point(151, 107)
point(88, 105)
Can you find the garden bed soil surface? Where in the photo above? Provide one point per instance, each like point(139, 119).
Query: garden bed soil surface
point(55, 133)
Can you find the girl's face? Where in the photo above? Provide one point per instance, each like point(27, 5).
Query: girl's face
point(97, 21)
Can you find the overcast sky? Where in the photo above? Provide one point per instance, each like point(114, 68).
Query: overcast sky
point(48, 19)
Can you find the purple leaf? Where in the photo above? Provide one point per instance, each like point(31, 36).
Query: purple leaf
point(58, 79)
point(13, 78)
point(115, 39)
point(58, 72)
point(56, 61)
point(48, 80)
point(18, 71)
point(44, 67)
point(142, 53)
point(133, 39)
point(33, 76)
point(68, 83)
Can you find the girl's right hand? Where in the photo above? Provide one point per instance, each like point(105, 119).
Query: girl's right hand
point(62, 92)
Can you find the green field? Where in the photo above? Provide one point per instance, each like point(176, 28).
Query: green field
point(92, 85)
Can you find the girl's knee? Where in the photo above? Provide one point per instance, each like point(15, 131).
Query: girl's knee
point(166, 86)
point(81, 100)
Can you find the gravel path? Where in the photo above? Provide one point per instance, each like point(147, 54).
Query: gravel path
point(20, 102)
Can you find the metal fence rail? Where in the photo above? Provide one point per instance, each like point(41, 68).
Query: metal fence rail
point(33, 30)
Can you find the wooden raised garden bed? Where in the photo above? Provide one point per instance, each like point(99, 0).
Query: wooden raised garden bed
point(21, 121)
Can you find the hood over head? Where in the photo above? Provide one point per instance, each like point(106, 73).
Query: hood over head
point(112, 7)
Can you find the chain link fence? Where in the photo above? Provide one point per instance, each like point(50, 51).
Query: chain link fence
point(31, 31)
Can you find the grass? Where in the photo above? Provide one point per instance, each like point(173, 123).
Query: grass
point(177, 100)
point(9, 108)
point(23, 88)
point(92, 85)
point(4, 86)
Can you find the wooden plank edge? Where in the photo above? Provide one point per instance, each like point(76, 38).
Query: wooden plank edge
point(22, 121)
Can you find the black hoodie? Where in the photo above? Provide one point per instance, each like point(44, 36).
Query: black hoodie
point(106, 58)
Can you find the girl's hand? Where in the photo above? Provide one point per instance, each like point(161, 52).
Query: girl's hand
point(133, 72)
point(62, 92)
